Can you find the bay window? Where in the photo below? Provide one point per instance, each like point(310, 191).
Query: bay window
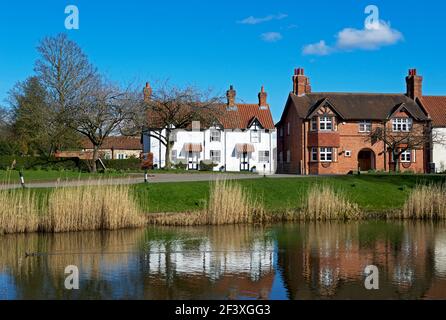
point(326, 154)
point(326, 123)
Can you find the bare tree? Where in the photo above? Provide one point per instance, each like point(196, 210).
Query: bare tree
point(171, 108)
point(103, 113)
point(68, 76)
point(419, 136)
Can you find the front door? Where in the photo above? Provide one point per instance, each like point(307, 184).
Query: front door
point(244, 162)
point(192, 161)
point(365, 160)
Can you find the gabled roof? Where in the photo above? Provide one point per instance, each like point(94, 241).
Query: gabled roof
point(323, 103)
point(117, 143)
point(238, 117)
point(358, 106)
point(436, 107)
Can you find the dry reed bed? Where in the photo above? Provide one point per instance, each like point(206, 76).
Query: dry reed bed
point(426, 202)
point(92, 207)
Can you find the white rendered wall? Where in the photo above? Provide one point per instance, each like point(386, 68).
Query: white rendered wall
point(227, 147)
point(439, 152)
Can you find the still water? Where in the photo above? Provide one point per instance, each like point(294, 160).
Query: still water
point(290, 261)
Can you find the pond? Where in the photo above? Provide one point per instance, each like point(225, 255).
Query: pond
point(286, 261)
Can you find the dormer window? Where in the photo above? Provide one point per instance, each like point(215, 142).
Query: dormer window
point(402, 124)
point(255, 136)
point(326, 123)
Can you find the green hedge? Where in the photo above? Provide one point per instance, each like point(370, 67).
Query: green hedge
point(36, 163)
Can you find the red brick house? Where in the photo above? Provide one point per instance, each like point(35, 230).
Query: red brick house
point(329, 133)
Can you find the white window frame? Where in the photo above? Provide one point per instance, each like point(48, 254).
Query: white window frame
point(326, 123)
point(313, 126)
point(314, 154)
point(406, 156)
point(215, 135)
point(402, 124)
point(365, 126)
point(215, 156)
point(122, 156)
point(264, 156)
point(256, 136)
point(325, 154)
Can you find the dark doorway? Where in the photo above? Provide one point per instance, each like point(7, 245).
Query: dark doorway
point(192, 161)
point(366, 160)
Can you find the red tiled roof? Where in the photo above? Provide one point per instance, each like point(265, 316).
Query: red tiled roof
point(231, 118)
point(436, 107)
point(117, 143)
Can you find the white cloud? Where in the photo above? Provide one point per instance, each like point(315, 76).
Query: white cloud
point(318, 49)
point(350, 39)
point(271, 36)
point(368, 38)
point(253, 20)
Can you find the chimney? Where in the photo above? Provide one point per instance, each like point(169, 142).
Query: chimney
point(230, 94)
point(414, 84)
point(301, 83)
point(262, 98)
point(147, 92)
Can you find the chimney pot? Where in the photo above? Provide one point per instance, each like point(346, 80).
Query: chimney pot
point(301, 83)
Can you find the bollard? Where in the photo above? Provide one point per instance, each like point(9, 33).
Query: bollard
point(22, 179)
point(146, 176)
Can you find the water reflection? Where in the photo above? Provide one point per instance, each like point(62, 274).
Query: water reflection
point(296, 261)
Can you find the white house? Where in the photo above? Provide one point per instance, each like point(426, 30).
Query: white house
point(436, 107)
point(243, 138)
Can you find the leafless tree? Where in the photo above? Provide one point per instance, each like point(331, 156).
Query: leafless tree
point(171, 108)
point(103, 113)
point(68, 77)
point(418, 137)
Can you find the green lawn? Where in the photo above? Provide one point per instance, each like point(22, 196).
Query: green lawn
point(53, 175)
point(370, 192)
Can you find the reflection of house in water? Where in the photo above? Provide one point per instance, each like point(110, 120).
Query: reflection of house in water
point(328, 261)
point(210, 269)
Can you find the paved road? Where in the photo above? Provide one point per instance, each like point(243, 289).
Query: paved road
point(156, 178)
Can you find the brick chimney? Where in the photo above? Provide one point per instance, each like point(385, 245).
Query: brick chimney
point(262, 98)
point(231, 94)
point(301, 83)
point(147, 92)
point(414, 84)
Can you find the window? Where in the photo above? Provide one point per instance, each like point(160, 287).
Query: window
point(314, 124)
point(289, 129)
point(314, 154)
point(264, 156)
point(174, 155)
point(326, 154)
point(402, 124)
point(281, 132)
point(216, 156)
point(255, 136)
point(281, 156)
point(348, 154)
point(326, 123)
point(365, 126)
point(122, 156)
point(406, 156)
point(215, 135)
point(288, 156)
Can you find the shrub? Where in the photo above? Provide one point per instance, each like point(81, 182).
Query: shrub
point(207, 165)
point(180, 166)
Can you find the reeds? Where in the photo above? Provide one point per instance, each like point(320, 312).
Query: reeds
point(91, 207)
point(228, 203)
point(426, 202)
point(323, 203)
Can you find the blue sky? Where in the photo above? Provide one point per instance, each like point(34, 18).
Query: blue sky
point(244, 43)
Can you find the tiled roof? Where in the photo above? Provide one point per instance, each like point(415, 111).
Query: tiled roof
point(117, 143)
point(436, 107)
point(231, 118)
point(358, 106)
